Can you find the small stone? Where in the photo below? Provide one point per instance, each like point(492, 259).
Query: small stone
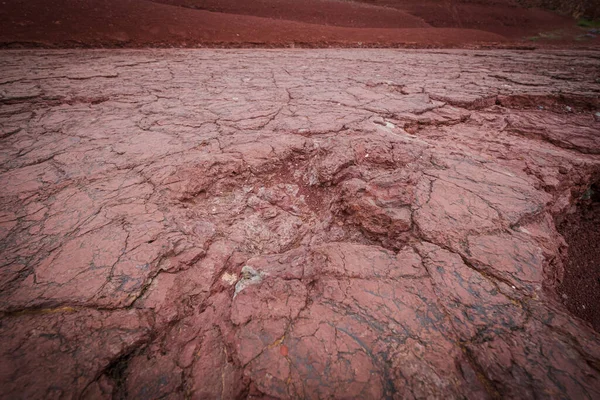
point(249, 277)
point(283, 349)
point(228, 278)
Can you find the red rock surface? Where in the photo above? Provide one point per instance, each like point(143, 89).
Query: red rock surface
point(293, 224)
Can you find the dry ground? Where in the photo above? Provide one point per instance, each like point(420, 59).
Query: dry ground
point(297, 224)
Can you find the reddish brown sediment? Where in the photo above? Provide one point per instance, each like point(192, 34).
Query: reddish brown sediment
point(580, 288)
point(284, 23)
point(294, 223)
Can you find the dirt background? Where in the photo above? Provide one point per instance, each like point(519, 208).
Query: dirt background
point(576, 8)
point(286, 23)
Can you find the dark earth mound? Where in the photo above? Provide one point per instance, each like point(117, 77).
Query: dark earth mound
point(580, 288)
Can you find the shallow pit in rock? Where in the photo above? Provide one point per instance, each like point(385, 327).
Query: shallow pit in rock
point(580, 288)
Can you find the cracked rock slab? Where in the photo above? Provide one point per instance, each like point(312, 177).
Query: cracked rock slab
point(357, 224)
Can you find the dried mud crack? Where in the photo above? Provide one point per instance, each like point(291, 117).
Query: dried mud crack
point(299, 224)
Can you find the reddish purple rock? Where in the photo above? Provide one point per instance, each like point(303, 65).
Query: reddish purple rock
point(294, 224)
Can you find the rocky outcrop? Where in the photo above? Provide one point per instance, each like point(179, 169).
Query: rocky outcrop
point(293, 224)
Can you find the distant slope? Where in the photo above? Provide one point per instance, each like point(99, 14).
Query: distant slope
point(311, 23)
point(576, 8)
point(504, 17)
point(321, 12)
point(141, 23)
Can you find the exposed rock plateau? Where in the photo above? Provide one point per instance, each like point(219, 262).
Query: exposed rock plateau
point(293, 224)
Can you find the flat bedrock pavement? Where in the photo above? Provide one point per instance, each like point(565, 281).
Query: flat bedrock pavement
point(293, 223)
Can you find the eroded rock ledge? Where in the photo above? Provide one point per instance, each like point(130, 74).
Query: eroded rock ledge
point(293, 224)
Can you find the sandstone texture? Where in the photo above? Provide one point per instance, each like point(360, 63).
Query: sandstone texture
point(348, 224)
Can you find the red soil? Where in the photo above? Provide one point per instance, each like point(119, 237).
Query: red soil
point(314, 23)
point(580, 288)
point(503, 17)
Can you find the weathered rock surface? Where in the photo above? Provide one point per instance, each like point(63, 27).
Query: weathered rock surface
point(293, 224)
